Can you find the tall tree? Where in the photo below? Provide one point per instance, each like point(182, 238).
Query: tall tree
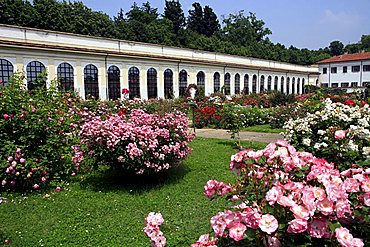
point(174, 13)
point(210, 22)
point(365, 42)
point(195, 18)
point(336, 48)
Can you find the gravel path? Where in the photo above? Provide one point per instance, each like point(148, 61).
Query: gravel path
point(248, 136)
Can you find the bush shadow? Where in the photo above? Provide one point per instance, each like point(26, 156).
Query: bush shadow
point(124, 181)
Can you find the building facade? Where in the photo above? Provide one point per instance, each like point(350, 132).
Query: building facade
point(102, 67)
point(348, 71)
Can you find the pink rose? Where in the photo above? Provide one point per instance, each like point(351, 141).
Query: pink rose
point(6, 116)
point(36, 186)
point(367, 199)
point(237, 230)
point(339, 134)
point(58, 189)
point(325, 206)
point(268, 223)
point(346, 239)
point(297, 226)
point(318, 228)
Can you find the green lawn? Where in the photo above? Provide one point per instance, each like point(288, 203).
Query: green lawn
point(262, 128)
point(109, 210)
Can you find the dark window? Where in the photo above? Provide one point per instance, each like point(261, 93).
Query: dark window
point(276, 83)
point(134, 82)
point(216, 82)
point(269, 83)
point(237, 84)
point(262, 84)
point(6, 72)
point(254, 84)
point(324, 70)
point(298, 85)
point(114, 88)
point(303, 83)
point(344, 84)
point(334, 85)
point(354, 84)
point(152, 83)
point(333, 70)
point(65, 76)
point(344, 69)
point(91, 81)
point(366, 68)
point(34, 75)
point(287, 85)
point(324, 85)
point(201, 80)
point(183, 82)
point(227, 84)
point(356, 68)
point(293, 86)
point(168, 84)
point(246, 84)
point(282, 84)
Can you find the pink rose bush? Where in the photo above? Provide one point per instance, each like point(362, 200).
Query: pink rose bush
point(153, 221)
point(283, 192)
point(338, 132)
point(138, 141)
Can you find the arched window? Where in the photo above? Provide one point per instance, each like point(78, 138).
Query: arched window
point(246, 84)
point(276, 83)
point(114, 88)
point(303, 86)
point(254, 84)
point(134, 82)
point(287, 85)
point(168, 84)
point(201, 80)
point(152, 83)
point(227, 84)
point(34, 75)
point(216, 82)
point(262, 84)
point(183, 82)
point(293, 86)
point(65, 75)
point(282, 84)
point(269, 83)
point(91, 81)
point(6, 71)
point(298, 85)
point(237, 84)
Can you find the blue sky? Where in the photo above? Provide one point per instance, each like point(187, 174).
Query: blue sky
point(309, 24)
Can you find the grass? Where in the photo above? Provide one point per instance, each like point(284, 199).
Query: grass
point(105, 209)
point(266, 128)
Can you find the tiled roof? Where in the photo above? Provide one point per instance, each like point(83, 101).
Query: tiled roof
point(347, 57)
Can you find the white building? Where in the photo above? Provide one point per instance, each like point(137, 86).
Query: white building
point(103, 67)
point(349, 71)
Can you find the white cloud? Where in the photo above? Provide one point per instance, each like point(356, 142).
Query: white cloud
point(341, 18)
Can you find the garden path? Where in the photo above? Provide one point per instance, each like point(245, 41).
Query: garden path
point(244, 135)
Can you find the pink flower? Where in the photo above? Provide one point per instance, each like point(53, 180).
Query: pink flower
point(297, 226)
point(271, 242)
point(6, 116)
point(36, 186)
point(58, 189)
point(325, 206)
point(346, 239)
point(272, 195)
point(300, 212)
point(268, 223)
point(351, 185)
point(318, 228)
point(237, 230)
point(3, 183)
point(367, 199)
point(339, 134)
point(154, 219)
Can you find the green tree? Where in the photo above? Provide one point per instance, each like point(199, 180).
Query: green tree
point(210, 22)
point(352, 48)
point(336, 48)
point(195, 18)
point(365, 42)
point(174, 13)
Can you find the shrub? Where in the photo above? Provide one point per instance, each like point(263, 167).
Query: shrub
point(138, 141)
point(339, 133)
point(36, 133)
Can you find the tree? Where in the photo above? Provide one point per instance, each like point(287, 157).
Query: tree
point(336, 48)
point(210, 22)
point(352, 48)
point(174, 13)
point(365, 42)
point(195, 18)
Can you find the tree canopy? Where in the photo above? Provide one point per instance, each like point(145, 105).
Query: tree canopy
point(239, 34)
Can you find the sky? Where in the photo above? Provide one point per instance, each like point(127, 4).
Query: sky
point(311, 24)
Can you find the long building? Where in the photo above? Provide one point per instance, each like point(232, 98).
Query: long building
point(102, 67)
point(348, 71)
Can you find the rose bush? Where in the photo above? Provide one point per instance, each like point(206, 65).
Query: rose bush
point(138, 141)
point(36, 132)
point(338, 132)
